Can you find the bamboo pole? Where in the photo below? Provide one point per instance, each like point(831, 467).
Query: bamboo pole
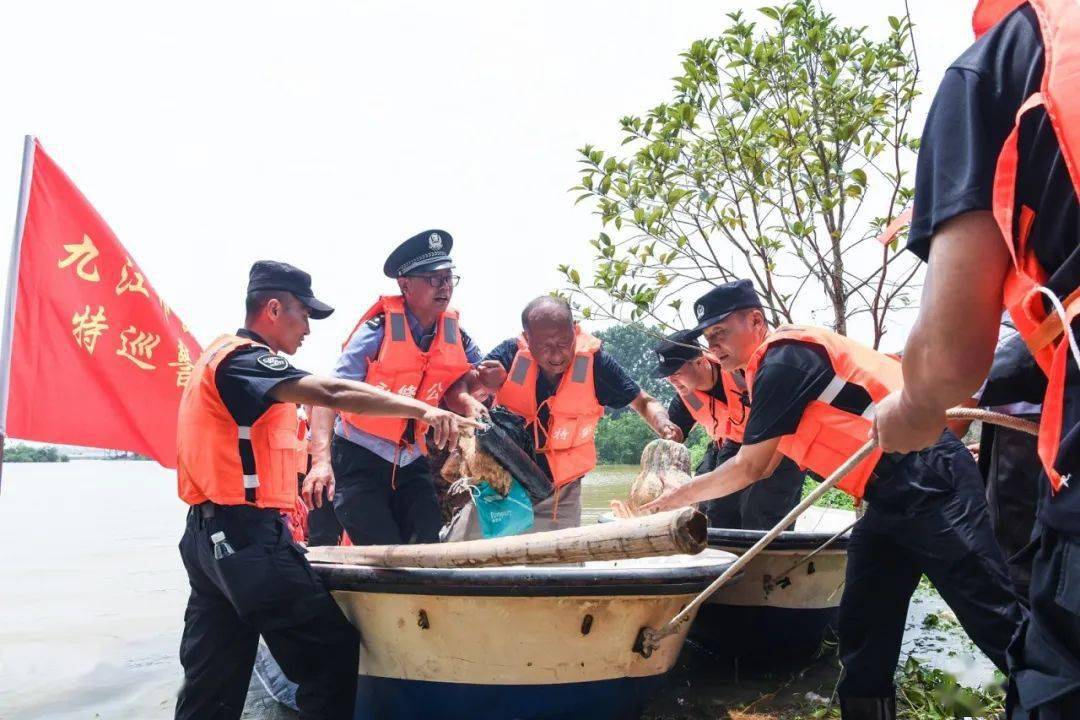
point(682, 531)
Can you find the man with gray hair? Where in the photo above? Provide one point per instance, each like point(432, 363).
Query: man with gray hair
point(558, 381)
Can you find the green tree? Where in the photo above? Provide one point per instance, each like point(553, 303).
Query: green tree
point(19, 452)
point(621, 438)
point(631, 345)
point(783, 152)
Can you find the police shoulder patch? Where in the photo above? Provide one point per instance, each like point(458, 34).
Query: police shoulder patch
point(273, 362)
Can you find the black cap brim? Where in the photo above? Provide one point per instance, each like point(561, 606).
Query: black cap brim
point(664, 371)
point(318, 310)
point(712, 321)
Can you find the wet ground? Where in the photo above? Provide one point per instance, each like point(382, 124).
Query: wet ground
point(92, 596)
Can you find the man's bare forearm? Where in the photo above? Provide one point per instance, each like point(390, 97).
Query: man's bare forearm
point(348, 396)
point(733, 475)
point(651, 411)
point(951, 346)
point(322, 428)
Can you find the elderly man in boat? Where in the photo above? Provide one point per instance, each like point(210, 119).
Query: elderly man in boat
point(556, 384)
point(813, 393)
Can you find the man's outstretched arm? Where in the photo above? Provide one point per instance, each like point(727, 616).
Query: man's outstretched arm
point(746, 467)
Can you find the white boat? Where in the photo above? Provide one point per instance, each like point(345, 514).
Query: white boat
point(524, 642)
point(780, 610)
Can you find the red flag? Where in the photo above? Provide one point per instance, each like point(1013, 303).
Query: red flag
point(97, 358)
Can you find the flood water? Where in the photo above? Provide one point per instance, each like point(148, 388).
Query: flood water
point(92, 595)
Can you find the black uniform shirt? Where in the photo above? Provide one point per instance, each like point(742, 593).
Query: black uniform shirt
point(247, 377)
point(972, 114)
point(792, 375)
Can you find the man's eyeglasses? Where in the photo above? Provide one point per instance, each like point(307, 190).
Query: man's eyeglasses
point(439, 280)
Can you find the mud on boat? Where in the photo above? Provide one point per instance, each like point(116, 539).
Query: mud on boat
point(515, 642)
point(777, 614)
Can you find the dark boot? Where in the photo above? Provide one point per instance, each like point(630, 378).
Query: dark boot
point(872, 708)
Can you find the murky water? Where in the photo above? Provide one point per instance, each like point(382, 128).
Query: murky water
point(92, 596)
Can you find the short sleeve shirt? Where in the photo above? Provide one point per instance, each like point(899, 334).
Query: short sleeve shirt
point(247, 378)
point(614, 388)
point(973, 113)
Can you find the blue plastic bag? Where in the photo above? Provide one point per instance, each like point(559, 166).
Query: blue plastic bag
point(500, 516)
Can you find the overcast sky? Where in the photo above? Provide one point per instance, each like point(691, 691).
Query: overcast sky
point(213, 134)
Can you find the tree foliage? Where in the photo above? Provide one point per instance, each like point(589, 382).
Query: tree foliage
point(783, 152)
point(18, 452)
point(631, 345)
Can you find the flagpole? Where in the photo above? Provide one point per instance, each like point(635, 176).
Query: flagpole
point(13, 287)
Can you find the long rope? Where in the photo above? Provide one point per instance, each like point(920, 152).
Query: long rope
point(649, 639)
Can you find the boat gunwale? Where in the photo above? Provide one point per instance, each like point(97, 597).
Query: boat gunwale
point(734, 539)
point(523, 581)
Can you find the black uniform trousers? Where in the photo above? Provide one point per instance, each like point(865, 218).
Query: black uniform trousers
point(378, 505)
point(926, 515)
point(323, 525)
point(1045, 655)
point(1009, 461)
point(756, 507)
point(267, 588)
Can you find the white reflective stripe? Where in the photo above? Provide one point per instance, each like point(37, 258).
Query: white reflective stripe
point(832, 390)
point(245, 432)
point(251, 481)
point(870, 411)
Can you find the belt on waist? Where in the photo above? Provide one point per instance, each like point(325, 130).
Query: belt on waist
point(209, 509)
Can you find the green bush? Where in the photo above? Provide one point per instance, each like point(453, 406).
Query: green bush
point(19, 452)
point(832, 499)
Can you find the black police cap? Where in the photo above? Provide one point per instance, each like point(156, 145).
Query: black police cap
point(676, 350)
point(273, 275)
point(424, 252)
point(722, 300)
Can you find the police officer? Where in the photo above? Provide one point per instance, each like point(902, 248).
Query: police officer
point(812, 394)
point(718, 401)
point(996, 217)
point(558, 380)
point(237, 442)
point(375, 471)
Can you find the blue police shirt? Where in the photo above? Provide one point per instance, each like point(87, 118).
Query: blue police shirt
point(353, 364)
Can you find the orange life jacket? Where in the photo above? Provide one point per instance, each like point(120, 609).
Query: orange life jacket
point(718, 419)
point(1046, 335)
point(223, 462)
point(303, 452)
point(827, 436)
point(403, 368)
point(573, 411)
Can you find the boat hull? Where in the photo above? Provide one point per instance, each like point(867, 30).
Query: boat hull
point(530, 643)
point(776, 615)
